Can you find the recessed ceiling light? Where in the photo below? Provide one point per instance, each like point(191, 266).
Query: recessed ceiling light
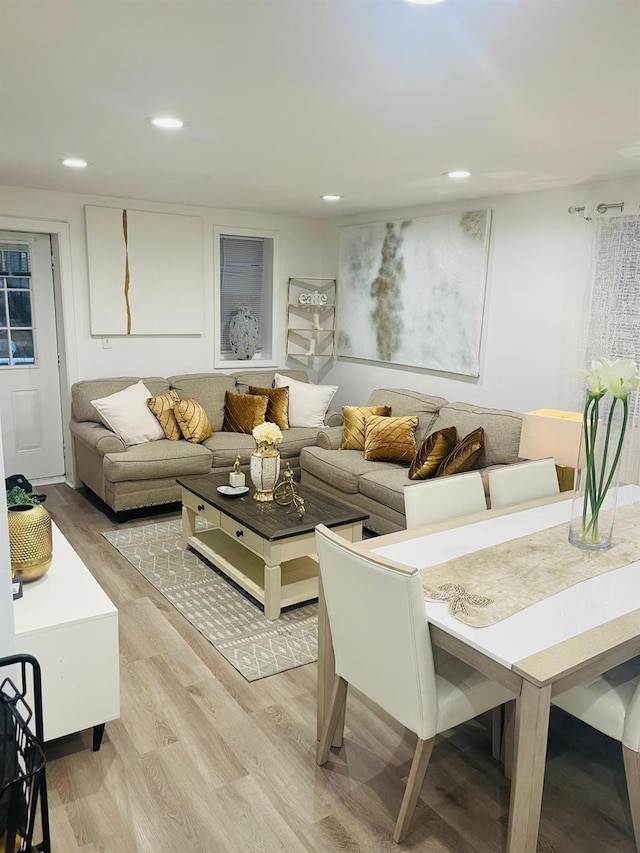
point(424, 2)
point(167, 122)
point(331, 197)
point(458, 173)
point(74, 163)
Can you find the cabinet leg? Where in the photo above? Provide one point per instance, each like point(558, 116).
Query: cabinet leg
point(188, 526)
point(98, 731)
point(272, 592)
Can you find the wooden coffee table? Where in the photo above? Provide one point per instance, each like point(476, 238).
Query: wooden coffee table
point(266, 549)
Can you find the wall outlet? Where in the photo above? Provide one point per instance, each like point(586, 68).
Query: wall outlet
point(106, 343)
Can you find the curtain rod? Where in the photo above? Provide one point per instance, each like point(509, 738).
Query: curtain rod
point(601, 208)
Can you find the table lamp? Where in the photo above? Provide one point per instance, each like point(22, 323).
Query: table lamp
point(552, 433)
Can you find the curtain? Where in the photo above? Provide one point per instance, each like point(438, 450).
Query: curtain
point(611, 325)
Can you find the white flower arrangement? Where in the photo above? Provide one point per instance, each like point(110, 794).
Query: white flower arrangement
point(267, 433)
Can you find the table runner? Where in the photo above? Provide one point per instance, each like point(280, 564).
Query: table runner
point(539, 565)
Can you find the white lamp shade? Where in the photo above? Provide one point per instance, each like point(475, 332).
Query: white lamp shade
point(549, 432)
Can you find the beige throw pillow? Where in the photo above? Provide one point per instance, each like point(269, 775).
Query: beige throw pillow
point(126, 413)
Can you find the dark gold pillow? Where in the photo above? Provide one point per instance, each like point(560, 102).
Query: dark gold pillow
point(162, 408)
point(354, 417)
point(192, 420)
point(464, 455)
point(243, 412)
point(434, 450)
point(278, 405)
point(390, 439)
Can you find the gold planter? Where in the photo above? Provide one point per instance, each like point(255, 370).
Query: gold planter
point(264, 469)
point(29, 541)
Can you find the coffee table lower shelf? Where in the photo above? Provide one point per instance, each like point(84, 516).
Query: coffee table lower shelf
point(297, 581)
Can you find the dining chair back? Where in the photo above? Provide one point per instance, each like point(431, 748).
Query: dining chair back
point(523, 481)
point(610, 703)
point(382, 647)
point(443, 498)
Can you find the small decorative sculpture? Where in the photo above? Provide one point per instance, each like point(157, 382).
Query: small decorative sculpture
point(236, 477)
point(286, 492)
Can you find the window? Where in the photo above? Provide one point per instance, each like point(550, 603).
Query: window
point(245, 275)
point(16, 309)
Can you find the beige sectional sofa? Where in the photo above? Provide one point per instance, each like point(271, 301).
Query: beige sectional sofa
point(378, 487)
point(145, 474)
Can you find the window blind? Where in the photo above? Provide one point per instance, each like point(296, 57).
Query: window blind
point(241, 281)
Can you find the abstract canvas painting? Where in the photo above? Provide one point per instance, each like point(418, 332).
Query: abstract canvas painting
point(412, 291)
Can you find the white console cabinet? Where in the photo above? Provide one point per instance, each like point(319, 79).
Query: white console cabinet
point(66, 621)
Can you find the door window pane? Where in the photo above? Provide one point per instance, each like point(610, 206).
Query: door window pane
point(19, 308)
point(3, 310)
point(4, 346)
point(14, 260)
point(22, 283)
point(22, 346)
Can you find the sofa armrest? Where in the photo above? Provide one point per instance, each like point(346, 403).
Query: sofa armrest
point(97, 437)
point(330, 438)
point(333, 419)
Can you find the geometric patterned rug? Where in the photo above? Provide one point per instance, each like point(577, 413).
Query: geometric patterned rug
point(231, 621)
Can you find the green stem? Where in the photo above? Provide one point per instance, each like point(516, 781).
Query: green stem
point(587, 420)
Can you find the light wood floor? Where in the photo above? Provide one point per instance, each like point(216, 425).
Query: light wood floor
point(201, 760)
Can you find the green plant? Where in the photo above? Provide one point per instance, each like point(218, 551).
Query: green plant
point(17, 495)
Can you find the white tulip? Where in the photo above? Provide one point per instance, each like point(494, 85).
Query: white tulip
point(622, 377)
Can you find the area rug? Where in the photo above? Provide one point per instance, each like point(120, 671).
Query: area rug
point(229, 619)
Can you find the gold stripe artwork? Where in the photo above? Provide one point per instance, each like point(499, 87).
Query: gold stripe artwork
point(126, 270)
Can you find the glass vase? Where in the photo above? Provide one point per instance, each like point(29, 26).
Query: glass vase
point(264, 469)
point(597, 478)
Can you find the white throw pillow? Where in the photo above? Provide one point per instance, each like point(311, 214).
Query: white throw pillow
point(127, 414)
point(308, 403)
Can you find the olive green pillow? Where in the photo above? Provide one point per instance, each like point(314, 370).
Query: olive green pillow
point(162, 408)
point(354, 424)
point(192, 420)
point(278, 405)
point(432, 453)
point(464, 455)
point(390, 439)
point(243, 412)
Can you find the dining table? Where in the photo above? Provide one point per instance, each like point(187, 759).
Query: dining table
point(545, 648)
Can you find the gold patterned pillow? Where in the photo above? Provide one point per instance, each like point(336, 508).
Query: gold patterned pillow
point(192, 420)
point(278, 405)
point(390, 439)
point(354, 417)
point(162, 408)
point(464, 455)
point(434, 450)
point(243, 412)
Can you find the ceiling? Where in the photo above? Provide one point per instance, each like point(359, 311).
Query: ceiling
point(288, 99)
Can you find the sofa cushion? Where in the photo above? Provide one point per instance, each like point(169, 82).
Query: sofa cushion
point(225, 446)
point(464, 455)
point(433, 451)
point(156, 460)
point(264, 378)
point(390, 439)
point(405, 402)
point(501, 430)
point(341, 469)
point(354, 426)
point(127, 414)
point(386, 487)
point(243, 412)
point(208, 389)
point(83, 392)
point(277, 405)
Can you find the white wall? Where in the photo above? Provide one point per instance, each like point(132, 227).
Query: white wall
point(301, 242)
point(537, 272)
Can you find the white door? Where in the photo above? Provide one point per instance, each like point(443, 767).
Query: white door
point(29, 383)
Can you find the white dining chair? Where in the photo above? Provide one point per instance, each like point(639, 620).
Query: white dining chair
point(523, 481)
point(443, 498)
point(383, 648)
point(610, 703)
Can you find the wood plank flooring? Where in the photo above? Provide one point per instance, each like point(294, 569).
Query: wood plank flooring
point(201, 760)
